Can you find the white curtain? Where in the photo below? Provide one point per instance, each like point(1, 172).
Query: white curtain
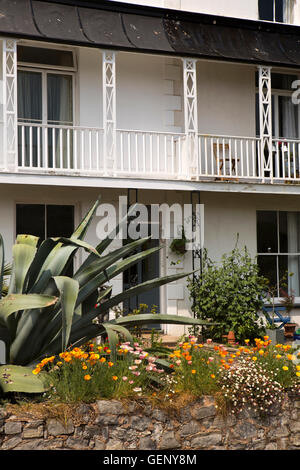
point(293, 234)
point(59, 110)
point(288, 10)
point(289, 121)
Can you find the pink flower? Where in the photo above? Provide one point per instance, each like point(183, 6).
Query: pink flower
point(125, 378)
point(136, 373)
point(131, 382)
point(151, 359)
point(189, 363)
point(137, 361)
point(132, 367)
point(209, 341)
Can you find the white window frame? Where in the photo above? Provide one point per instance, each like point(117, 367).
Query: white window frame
point(47, 66)
point(277, 255)
point(44, 72)
point(289, 13)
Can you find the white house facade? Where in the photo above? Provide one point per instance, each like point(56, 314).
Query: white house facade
point(156, 102)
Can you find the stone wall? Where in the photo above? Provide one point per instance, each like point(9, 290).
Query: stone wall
point(114, 425)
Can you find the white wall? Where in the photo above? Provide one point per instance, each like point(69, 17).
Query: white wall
point(234, 8)
point(89, 87)
point(226, 99)
point(149, 94)
point(140, 92)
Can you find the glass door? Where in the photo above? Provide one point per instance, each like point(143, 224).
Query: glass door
point(45, 116)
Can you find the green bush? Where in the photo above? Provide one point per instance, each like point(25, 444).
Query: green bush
point(229, 293)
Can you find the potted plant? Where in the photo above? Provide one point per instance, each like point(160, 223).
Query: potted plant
point(276, 335)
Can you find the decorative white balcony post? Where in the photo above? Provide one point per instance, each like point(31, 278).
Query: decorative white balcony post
point(10, 130)
point(190, 115)
point(265, 119)
point(109, 108)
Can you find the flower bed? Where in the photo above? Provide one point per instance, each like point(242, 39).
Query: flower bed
point(256, 377)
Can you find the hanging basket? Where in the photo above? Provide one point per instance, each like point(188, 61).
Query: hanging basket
point(178, 245)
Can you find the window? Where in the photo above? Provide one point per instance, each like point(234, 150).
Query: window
point(45, 107)
point(41, 56)
point(45, 221)
point(276, 10)
point(278, 247)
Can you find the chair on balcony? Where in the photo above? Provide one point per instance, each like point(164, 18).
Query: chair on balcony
point(223, 154)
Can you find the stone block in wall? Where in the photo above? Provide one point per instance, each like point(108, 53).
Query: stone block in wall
point(168, 441)
point(13, 427)
point(206, 441)
point(56, 428)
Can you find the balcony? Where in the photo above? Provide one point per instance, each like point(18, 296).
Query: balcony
point(86, 151)
point(138, 117)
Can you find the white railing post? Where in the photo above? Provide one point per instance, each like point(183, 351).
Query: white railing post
point(10, 137)
point(109, 108)
point(190, 115)
point(265, 117)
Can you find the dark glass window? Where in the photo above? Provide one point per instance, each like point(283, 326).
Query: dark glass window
point(278, 247)
point(266, 10)
point(267, 240)
point(44, 56)
point(45, 221)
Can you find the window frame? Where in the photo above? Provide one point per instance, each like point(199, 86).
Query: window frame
point(47, 66)
point(76, 219)
point(277, 254)
point(44, 72)
point(274, 20)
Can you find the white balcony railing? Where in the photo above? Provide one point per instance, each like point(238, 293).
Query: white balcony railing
point(149, 154)
point(60, 148)
point(286, 159)
point(228, 157)
point(156, 154)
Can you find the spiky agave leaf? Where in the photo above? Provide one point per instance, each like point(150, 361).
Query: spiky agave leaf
point(68, 316)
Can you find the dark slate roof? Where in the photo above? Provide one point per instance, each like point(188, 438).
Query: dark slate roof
point(120, 26)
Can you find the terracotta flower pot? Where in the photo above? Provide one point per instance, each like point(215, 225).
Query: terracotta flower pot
point(231, 337)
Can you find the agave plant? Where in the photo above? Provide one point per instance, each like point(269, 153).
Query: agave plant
point(45, 311)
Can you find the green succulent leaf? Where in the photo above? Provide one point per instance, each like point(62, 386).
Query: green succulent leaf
point(21, 379)
point(15, 302)
point(68, 289)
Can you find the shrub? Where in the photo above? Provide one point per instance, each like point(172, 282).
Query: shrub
point(249, 385)
point(229, 294)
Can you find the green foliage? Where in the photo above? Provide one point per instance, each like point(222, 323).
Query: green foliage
point(229, 293)
point(45, 311)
